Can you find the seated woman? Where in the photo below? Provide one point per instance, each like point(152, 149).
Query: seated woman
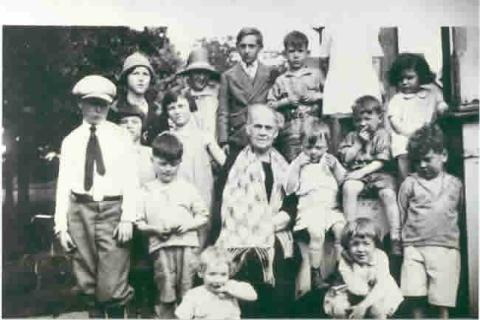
point(255, 227)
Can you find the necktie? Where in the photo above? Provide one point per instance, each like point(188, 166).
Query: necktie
point(94, 155)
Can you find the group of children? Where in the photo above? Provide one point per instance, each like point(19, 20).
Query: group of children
point(176, 183)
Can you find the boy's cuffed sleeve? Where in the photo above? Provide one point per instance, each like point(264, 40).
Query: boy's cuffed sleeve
point(403, 198)
point(63, 190)
point(222, 111)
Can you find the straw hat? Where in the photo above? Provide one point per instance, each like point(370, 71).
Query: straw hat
point(136, 59)
point(198, 60)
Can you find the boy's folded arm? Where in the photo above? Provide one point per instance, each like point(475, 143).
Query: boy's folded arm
point(370, 168)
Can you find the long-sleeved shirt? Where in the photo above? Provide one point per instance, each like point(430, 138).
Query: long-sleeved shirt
point(120, 178)
point(429, 210)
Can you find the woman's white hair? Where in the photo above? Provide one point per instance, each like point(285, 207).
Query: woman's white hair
point(277, 116)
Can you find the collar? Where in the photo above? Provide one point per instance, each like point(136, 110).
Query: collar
point(253, 65)
point(303, 71)
point(422, 93)
point(100, 126)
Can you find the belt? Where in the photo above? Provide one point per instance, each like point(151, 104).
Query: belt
point(85, 198)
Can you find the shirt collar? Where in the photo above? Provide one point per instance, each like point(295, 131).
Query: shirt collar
point(304, 71)
point(252, 66)
point(422, 93)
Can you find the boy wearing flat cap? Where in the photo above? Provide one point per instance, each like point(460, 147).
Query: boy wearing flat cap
point(96, 200)
point(202, 91)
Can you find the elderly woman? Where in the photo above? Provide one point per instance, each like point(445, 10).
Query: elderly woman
point(254, 223)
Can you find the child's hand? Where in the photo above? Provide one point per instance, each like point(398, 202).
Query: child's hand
point(123, 232)
point(312, 97)
point(302, 160)
point(183, 227)
point(364, 135)
point(357, 312)
point(330, 160)
point(66, 242)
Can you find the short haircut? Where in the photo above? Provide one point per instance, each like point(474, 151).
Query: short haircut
point(168, 147)
point(410, 61)
point(367, 103)
point(172, 96)
point(295, 39)
point(255, 107)
point(215, 255)
point(428, 137)
point(315, 130)
point(360, 228)
point(250, 31)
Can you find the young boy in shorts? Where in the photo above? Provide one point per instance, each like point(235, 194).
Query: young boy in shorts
point(172, 212)
point(296, 94)
point(430, 201)
point(365, 153)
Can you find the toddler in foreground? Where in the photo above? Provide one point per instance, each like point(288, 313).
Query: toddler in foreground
point(369, 290)
point(218, 297)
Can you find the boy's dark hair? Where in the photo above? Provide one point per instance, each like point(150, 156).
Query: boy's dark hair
point(429, 137)
point(250, 31)
point(172, 96)
point(168, 147)
point(367, 103)
point(361, 228)
point(315, 130)
point(295, 39)
point(410, 61)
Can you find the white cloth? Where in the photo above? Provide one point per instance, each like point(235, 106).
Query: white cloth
point(350, 72)
point(200, 303)
point(250, 70)
point(411, 112)
point(120, 177)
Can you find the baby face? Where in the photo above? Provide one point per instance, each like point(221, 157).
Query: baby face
point(316, 151)
point(361, 249)
point(215, 276)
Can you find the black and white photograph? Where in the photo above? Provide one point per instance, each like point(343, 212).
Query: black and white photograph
point(229, 159)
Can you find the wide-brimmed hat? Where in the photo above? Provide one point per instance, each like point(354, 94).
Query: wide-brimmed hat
point(136, 59)
point(95, 86)
point(198, 60)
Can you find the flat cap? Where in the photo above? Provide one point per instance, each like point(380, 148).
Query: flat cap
point(95, 86)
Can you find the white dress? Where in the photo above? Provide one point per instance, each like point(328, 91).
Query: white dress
point(350, 73)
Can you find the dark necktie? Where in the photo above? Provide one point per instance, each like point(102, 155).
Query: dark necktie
point(94, 155)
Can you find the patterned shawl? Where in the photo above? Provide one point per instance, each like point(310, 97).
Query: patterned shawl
point(247, 216)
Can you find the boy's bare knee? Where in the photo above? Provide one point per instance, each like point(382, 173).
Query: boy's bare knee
point(352, 187)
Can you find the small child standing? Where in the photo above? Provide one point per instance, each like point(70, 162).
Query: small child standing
point(200, 150)
point(314, 177)
point(419, 101)
point(369, 290)
point(218, 297)
point(430, 201)
point(364, 153)
point(296, 94)
point(172, 213)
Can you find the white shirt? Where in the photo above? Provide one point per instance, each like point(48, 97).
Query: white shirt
point(120, 177)
point(250, 70)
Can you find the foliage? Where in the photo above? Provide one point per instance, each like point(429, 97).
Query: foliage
point(41, 65)
point(220, 52)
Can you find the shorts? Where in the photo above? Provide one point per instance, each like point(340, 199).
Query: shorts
point(431, 271)
point(318, 220)
point(377, 181)
point(174, 271)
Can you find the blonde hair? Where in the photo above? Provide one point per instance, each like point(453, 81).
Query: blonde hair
point(215, 255)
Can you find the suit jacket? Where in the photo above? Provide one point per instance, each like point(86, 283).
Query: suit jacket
point(237, 92)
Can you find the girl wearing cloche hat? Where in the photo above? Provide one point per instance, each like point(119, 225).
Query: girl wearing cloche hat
point(202, 91)
point(136, 78)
